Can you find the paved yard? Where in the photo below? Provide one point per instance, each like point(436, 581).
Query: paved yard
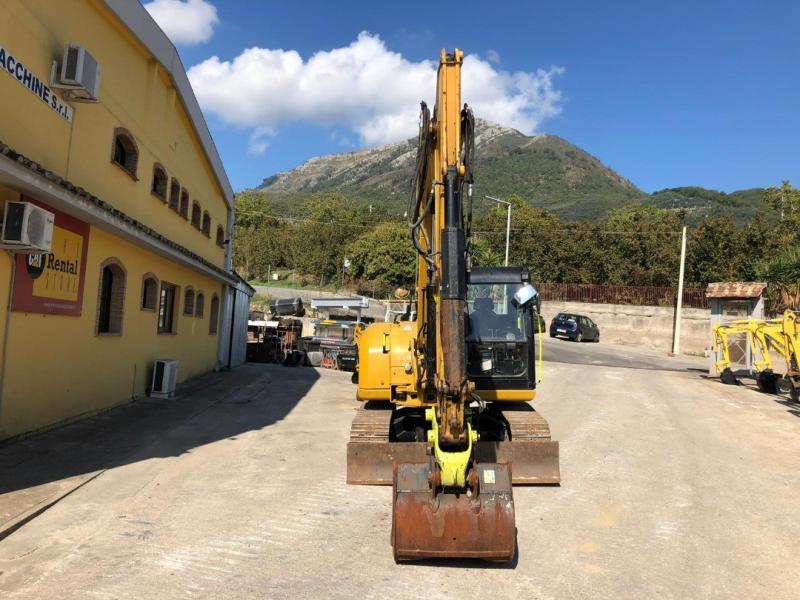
point(674, 486)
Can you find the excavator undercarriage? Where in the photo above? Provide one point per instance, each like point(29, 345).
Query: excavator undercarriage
point(526, 444)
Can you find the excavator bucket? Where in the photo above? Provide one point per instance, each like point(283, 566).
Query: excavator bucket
point(444, 524)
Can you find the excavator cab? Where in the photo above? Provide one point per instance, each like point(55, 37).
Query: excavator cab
point(499, 330)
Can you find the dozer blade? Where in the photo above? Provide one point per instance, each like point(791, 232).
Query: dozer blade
point(425, 525)
point(372, 463)
point(533, 463)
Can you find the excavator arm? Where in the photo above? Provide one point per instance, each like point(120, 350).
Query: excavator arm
point(450, 505)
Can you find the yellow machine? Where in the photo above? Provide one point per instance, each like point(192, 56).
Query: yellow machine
point(781, 335)
point(446, 389)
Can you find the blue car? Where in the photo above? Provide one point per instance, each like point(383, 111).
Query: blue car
point(577, 328)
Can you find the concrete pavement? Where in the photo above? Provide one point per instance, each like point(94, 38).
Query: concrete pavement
point(674, 486)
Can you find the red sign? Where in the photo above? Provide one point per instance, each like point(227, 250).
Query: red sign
point(53, 283)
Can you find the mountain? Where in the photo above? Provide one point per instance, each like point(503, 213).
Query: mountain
point(546, 170)
point(699, 203)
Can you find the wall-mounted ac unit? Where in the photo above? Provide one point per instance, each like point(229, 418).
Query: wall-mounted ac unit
point(165, 377)
point(80, 74)
point(27, 228)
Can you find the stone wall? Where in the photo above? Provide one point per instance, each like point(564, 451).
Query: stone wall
point(641, 325)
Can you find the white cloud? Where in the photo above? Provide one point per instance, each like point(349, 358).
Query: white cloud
point(185, 22)
point(493, 56)
point(259, 140)
point(363, 87)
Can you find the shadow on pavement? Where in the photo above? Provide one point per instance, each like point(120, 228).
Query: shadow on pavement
point(207, 409)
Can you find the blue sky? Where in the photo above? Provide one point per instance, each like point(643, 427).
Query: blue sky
point(666, 93)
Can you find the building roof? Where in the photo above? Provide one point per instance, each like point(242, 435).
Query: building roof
point(735, 289)
point(144, 28)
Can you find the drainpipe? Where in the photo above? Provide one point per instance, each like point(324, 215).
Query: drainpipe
point(3, 363)
point(225, 296)
point(233, 322)
point(229, 239)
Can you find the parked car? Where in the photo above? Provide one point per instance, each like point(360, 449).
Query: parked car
point(575, 327)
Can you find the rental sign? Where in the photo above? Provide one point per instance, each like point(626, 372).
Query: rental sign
point(17, 69)
point(52, 283)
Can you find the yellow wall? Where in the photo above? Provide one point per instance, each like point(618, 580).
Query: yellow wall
point(135, 93)
point(57, 367)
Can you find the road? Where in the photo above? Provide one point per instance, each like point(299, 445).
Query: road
point(560, 350)
point(674, 486)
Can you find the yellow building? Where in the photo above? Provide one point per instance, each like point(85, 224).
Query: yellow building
point(139, 267)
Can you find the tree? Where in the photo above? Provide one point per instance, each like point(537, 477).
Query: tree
point(332, 222)
point(384, 254)
point(715, 252)
point(642, 246)
point(785, 200)
point(782, 275)
point(483, 254)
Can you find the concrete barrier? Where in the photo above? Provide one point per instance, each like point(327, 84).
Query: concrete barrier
point(641, 325)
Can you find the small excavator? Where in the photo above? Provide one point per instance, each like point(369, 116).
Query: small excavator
point(446, 389)
point(781, 336)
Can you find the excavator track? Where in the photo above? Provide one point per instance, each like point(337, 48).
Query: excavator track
point(526, 425)
point(531, 453)
point(371, 424)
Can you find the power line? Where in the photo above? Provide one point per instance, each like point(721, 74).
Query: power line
point(298, 220)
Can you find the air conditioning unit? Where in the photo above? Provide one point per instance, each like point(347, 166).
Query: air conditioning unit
point(165, 377)
point(80, 74)
point(27, 228)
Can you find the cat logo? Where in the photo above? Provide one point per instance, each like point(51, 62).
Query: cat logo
point(35, 265)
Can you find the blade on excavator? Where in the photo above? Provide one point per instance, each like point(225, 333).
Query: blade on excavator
point(445, 524)
point(534, 463)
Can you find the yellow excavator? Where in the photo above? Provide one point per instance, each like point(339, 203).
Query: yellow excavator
point(781, 336)
point(446, 389)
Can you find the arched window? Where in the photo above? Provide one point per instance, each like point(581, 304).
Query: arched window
point(220, 236)
point(184, 209)
point(199, 305)
point(206, 228)
point(149, 292)
point(124, 151)
point(159, 185)
point(110, 297)
point(188, 302)
point(174, 194)
point(213, 317)
point(196, 215)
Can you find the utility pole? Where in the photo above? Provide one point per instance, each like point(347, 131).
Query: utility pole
point(676, 329)
point(508, 224)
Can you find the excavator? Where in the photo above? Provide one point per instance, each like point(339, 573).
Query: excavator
point(446, 388)
point(781, 336)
